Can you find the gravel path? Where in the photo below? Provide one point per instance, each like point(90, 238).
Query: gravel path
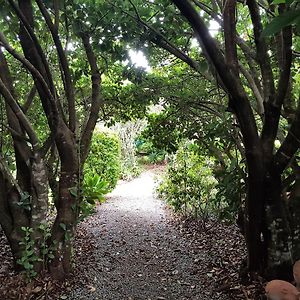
point(138, 253)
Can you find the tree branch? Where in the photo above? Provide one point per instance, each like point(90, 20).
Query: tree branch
point(56, 14)
point(37, 45)
point(37, 75)
point(29, 99)
point(20, 115)
point(262, 52)
point(96, 101)
point(240, 102)
point(160, 40)
point(290, 145)
point(254, 88)
point(65, 70)
point(273, 109)
point(230, 35)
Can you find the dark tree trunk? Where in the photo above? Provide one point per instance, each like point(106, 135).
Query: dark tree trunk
point(277, 234)
point(267, 229)
point(254, 215)
point(68, 151)
point(272, 242)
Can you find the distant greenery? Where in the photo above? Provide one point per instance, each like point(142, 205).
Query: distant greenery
point(127, 133)
point(161, 133)
point(148, 154)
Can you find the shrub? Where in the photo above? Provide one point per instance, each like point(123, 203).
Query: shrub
point(189, 185)
point(104, 160)
point(161, 132)
point(101, 171)
point(147, 153)
point(93, 191)
point(231, 188)
point(195, 185)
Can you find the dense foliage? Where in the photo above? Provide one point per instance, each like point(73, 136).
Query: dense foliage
point(104, 160)
point(197, 185)
point(102, 170)
point(189, 185)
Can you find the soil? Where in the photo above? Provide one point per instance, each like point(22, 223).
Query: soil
point(134, 248)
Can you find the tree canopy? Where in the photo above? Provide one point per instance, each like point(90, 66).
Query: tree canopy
point(225, 74)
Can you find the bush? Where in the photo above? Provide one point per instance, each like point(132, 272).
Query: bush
point(231, 188)
point(101, 171)
point(197, 186)
point(161, 132)
point(147, 153)
point(93, 191)
point(104, 159)
point(189, 185)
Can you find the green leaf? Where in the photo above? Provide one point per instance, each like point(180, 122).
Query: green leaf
point(278, 23)
point(44, 251)
point(50, 256)
point(73, 191)
point(63, 226)
point(27, 266)
point(278, 2)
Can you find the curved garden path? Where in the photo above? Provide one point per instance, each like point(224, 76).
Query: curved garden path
point(139, 254)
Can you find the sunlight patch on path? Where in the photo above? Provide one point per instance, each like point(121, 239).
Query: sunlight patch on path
point(139, 196)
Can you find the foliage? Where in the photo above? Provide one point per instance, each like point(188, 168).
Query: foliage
point(147, 153)
point(198, 185)
point(28, 254)
point(231, 188)
point(156, 156)
point(103, 165)
point(189, 185)
point(101, 171)
point(161, 132)
point(93, 190)
point(128, 132)
point(291, 17)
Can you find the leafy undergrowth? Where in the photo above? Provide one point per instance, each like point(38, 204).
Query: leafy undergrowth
point(15, 286)
point(228, 248)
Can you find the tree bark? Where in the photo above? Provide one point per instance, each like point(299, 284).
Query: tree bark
point(269, 238)
point(67, 204)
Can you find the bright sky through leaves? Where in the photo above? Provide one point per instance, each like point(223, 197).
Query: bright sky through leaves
point(139, 59)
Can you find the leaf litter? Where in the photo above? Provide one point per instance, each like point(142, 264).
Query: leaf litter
point(134, 247)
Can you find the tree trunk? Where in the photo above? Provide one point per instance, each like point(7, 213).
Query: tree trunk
point(254, 214)
point(277, 238)
point(66, 204)
point(294, 217)
point(267, 231)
